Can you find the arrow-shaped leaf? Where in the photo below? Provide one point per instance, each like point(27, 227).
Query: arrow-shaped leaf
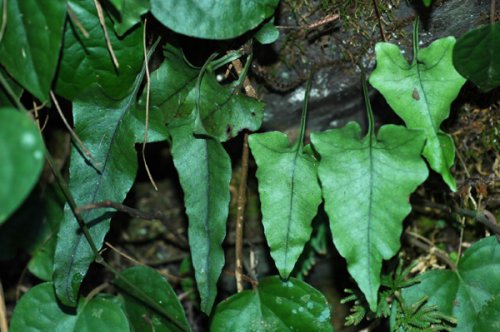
point(289, 194)
point(275, 305)
point(470, 293)
point(421, 94)
point(109, 128)
point(366, 183)
point(29, 49)
point(204, 171)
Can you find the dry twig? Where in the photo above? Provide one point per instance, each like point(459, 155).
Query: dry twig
point(102, 21)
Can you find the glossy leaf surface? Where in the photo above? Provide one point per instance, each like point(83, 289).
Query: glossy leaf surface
point(218, 111)
point(275, 305)
point(152, 285)
point(421, 94)
point(212, 19)
point(109, 128)
point(267, 34)
point(130, 12)
point(87, 60)
point(366, 183)
point(470, 293)
point(289, 193)
point(38, 310)
point(204, 171)
point(22, 159)
point(5, 100)
point(29, 55)
point(476, 56)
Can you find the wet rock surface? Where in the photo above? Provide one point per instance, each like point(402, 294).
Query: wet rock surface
point(334, 49)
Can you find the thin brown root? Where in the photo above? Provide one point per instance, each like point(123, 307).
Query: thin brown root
point(74, 136)
point(100, 14)
point(3, 312)
point(148, 89)
point(77, 22)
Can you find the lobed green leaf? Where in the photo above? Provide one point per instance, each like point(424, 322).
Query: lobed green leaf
point(421, 94)
point(470, 293)
point(204, 171)
point(366, 183)
point(289, 193)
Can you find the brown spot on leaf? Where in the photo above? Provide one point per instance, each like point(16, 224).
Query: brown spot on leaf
point(415, 95)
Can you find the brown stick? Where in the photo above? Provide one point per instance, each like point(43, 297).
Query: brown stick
point(485, 217)
point(102, 21)
point(414, 240)
point(148, 90)
point(377, 12)
point(3, 313)
point(180, 241)
point(77, 22)
point(240, 215)
point(240, 212)
point(74, 136)
point(325, 20)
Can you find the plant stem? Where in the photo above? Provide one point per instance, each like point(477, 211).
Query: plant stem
point(242, 188)
point(71, 201)
point(413, 238)
point(492, 12)
point(415, 39)
point(381, 27)
point(485, 217)
point(303, 117)
point(240, 215)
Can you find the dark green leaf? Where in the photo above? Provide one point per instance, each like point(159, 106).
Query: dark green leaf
point(212, 19)
point(109, 128)
point(44, 247)
point(30, 46)
point(421, 94)
point(21, 155)
point(470, 294)
point(5, 100)
point(489, 320)
point(38, 310)
point(130, 12)
point(289, 193)
point(274, 305)
point(366, 183)
point(152, 285)
point(204, 171)
point(267, 34)
point(87, 60)
point(475, 56)
point(220, 112)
